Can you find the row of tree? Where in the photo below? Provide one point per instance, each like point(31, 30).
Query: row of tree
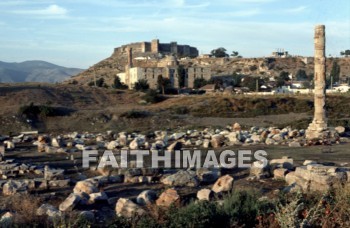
point(222, 52)
point(345, 53)
point(251, 82)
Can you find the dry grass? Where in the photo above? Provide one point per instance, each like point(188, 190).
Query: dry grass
point(24, 208)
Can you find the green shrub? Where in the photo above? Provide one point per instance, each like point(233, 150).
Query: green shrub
point(197, 214)
point(35, 111)
point(141, 85)
point(153, 97)
point(242, 207)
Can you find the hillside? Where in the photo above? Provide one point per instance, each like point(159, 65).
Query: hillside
point(35, 71)
point(260, 67)
point(85, 108)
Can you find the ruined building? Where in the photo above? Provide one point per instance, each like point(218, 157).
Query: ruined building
point(150, 68)
point(155, 47)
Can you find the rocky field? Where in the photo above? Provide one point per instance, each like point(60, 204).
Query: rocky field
point(45, 129)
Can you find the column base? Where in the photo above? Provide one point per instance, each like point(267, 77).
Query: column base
point(317, 131)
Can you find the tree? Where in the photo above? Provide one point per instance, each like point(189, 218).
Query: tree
point(335, 72)
point(236, 80)
point(117, 84)
point(163, 83)
point(252, 82)
point(235, 54)
point(301, 75)
point(141, 85)
point(282, 79)
point(219, 52)
point(346, 53)
point(199, 82)
point(99, 82)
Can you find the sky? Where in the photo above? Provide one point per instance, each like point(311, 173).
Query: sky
point(80, 33)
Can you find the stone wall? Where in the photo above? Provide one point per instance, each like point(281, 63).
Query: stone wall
point(155, 47)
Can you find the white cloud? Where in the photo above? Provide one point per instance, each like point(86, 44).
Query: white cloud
point(52, 10)
point(297, 9)
point(23, 2)
point(246, 13)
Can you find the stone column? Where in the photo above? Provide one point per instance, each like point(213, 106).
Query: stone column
point(318, 127)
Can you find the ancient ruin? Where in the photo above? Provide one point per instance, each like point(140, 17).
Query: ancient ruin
point(318, 127)
point(154, 46)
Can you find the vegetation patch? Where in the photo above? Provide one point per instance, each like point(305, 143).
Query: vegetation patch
point(135, 114)
point(41, 111)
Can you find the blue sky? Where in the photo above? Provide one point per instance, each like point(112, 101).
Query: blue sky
point(79, 33)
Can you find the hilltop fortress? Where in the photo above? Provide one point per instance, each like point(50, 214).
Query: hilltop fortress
point(182, 65)
point(155, 47)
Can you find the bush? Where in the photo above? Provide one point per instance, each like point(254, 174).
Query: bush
point(35, 111)
point(199, 214)
point(242, 207)
point(153, 97)
point(117, 84)
point(199, 82)
point(181, 110)
point(134, 114)
point(141, 85)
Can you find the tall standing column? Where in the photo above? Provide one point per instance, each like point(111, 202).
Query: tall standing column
point(318, 127)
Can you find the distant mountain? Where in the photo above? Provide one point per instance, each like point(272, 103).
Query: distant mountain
point(35, 71)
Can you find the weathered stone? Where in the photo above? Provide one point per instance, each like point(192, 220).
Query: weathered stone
point(14, 186)
point(259, 170)
point(59, 183)
point(70, 202)
point(2, 153)
point(57, 142)
point(233, 137)
point(10, 145)
point(182, 178)
point(309, 162)
point(49, 210)
point(158, 145)
point(112, 145)
point(256, 138)
point(146, 197)
point(87, 186)
point(340, 130)
point(206, 175)
point(116, 178)
point(217, 140)
point(294, 144)
point(285, 162)
point(127, 208)
point(318, 128)
point(7, 219)
point(204, 194)
point(269, 141)
point(175, 146)
point(223, 184)
point(206, 143)
point(132, 172)
point(167, 198)
point(236, 127)
point(279, 174)
point(97, 196)
point(277, 138)
point(53, 174)
point(177, 136)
